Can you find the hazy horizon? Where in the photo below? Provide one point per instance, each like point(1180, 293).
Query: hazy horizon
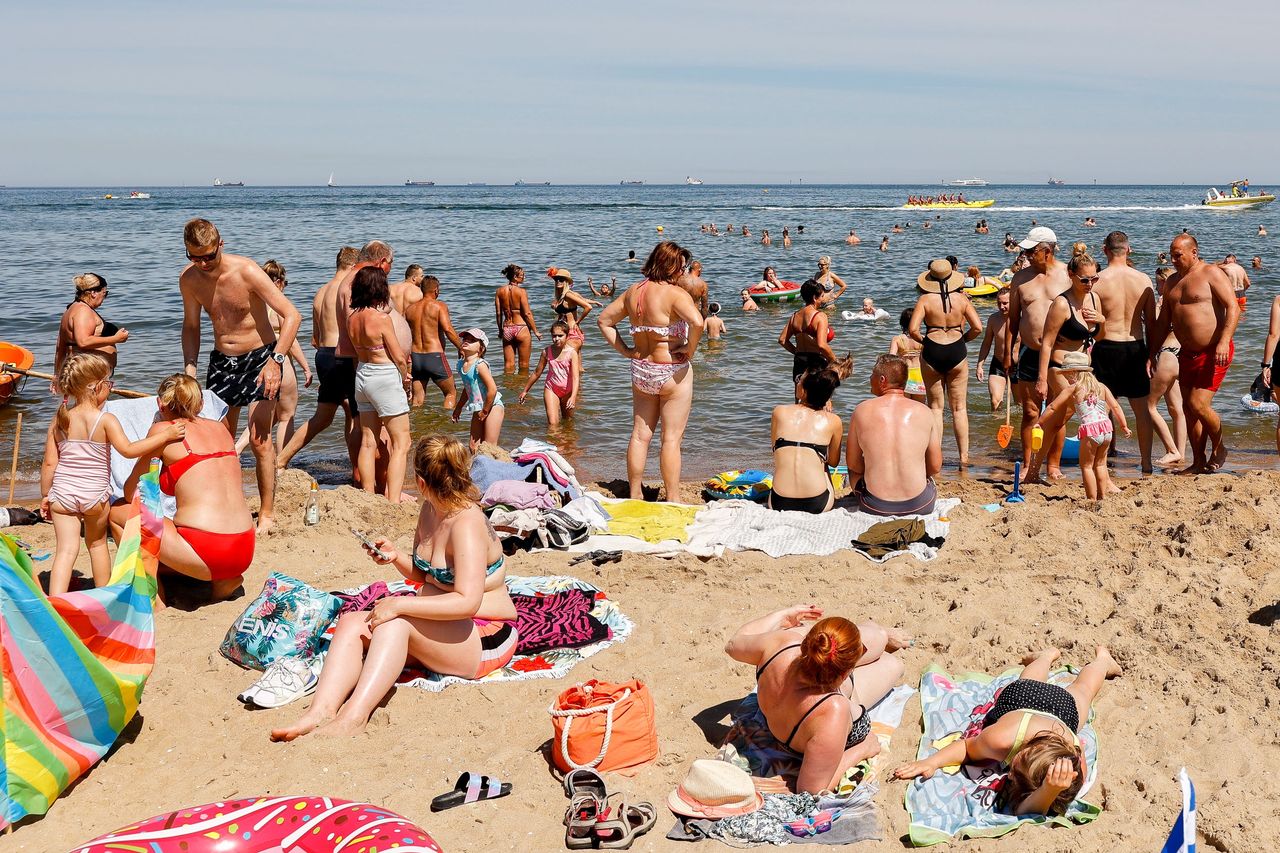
point(138, 94)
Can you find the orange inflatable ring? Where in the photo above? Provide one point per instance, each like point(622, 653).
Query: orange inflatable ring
point(253, 825)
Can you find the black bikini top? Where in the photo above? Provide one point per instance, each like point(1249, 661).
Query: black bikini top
point(1072, 329)
point(816, 448)
point(850, 739)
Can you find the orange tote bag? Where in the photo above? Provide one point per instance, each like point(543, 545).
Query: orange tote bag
point(604, 726)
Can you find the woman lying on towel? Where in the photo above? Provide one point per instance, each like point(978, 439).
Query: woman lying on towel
point(1031, 729)
point(461, 623)
point(806, 439)
point(815, 686)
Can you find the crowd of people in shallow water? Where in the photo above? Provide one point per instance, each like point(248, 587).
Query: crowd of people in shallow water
point(1066, 339)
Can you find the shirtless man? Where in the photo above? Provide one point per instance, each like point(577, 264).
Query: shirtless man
point(337, 376)
point(405, 293)
point(247, 358)
point(1237, 276)
point(853, 239)
point(1031, 292)
point(894, 447)
point(1201, 309)
point(696, 287)
point(1121, 357)
point(994, 341)
point(429, 321)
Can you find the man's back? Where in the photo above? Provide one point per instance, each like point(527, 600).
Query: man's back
point(895, 434)
point(1124, 293)
point(424, 321)
point(324, 312)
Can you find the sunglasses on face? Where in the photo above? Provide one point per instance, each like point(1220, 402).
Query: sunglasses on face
point(1088, 279)
point(102, 288)
point(203, 259)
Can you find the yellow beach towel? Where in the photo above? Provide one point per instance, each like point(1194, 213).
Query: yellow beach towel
point(652, 522)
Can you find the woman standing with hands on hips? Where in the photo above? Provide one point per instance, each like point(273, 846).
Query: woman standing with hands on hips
point(462, 622)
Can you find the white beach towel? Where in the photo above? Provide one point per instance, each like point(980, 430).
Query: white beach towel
point(136, 416)
point(746, 526)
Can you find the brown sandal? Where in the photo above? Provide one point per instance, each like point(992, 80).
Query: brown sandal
point(619, 825)
point(580, 821)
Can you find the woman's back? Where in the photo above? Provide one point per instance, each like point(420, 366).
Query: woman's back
point(799, 423)
point(785, 702)
point(367, 327)
point(210, 491)
point(944, 318)
point(508, 301)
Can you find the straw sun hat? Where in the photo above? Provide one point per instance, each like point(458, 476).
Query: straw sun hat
point(1077, 361)
point(940, 275)
point(714, 789)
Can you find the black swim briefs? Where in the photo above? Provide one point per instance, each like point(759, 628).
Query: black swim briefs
point(1028, 368)
point(429, 367)
point(997, 367)
point(337, 378)
point(1122, 367)
point(234, 378)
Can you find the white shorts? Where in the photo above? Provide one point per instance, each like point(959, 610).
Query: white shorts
point(381, 388)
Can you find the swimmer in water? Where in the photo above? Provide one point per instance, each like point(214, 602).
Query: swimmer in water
point(606, 291)
point(853, 239)
point(715, 327)
point(748, 304)
point(884, 243)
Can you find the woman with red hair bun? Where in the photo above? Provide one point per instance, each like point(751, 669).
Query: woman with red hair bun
point(816, 683)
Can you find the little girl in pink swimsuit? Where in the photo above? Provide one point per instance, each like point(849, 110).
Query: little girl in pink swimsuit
point(563, 367)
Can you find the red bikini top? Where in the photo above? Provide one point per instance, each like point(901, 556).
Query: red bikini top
point(173, 471)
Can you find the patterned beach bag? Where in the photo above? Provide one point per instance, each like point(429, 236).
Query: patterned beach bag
point(287, 618)
point(604, 726)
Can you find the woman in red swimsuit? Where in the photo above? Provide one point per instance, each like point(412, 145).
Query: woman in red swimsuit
point(211, 536)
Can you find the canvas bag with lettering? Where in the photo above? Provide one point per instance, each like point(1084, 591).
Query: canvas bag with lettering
point(288, 618)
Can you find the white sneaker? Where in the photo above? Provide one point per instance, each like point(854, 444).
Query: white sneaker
point(284, 681)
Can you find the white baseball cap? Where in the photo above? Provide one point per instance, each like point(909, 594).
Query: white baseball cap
point(477, 334)
point(1038, 235)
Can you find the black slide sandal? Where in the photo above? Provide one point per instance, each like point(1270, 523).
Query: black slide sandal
point(471, 788)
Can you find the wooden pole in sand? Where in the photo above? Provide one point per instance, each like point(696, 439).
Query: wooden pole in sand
point(13, 466)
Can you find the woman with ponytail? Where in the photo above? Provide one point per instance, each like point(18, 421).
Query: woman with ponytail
point(815, 686)
point(82, 328)
point(461, 623)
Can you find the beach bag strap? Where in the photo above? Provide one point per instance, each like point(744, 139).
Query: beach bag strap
point(568, 716)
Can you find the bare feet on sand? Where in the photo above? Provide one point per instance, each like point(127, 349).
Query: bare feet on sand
point(1104, 657)
point(1056, 474)
point(896, 639)
point(1050, 654)
point(1218, 459)
point(1169, 460)
point(265, 524)
point(339, 727)
point(306, 724)
point(1193, 468)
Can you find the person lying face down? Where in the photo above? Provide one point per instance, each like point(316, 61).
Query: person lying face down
point(894, 446)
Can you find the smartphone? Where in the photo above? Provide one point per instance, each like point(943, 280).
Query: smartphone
point(368, 543)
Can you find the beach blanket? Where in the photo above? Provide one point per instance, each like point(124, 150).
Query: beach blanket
point(136, 416)
point(746, 526)
point(652, 522)
point(72, 666)
point(959, 802)
point(554, 663)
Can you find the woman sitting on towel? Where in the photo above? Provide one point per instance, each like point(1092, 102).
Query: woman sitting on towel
point(806, 439)
point(462, 622)
point(815, 686)
point(1031, 729)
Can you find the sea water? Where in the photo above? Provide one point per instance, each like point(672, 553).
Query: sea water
point(466, 235)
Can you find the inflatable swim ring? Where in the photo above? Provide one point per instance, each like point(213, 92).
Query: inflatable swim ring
point(750, 485)
point(989, 285)
point(1259, 407)
point(789, 291)
point(259, 824)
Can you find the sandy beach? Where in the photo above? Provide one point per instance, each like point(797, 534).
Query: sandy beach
point(1175, 574)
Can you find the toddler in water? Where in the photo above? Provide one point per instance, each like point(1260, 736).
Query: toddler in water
point(1093, 401)
point(76, 475)
point(560, 391)
point(480, 397)
point(714, 327)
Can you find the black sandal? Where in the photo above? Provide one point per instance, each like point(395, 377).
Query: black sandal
point(471, 788)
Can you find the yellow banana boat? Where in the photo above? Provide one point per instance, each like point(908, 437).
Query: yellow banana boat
point(951, 205)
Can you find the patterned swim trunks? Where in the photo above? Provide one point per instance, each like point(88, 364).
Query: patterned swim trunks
point(234, 378)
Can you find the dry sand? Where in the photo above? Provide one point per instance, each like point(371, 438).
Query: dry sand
point(1176, 574)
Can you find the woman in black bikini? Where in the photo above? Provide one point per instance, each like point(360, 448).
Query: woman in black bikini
point(82, 328)
point(815, 686)
point(806, 439)
point(567, 304)
point(943, 310)
point(1073, 322)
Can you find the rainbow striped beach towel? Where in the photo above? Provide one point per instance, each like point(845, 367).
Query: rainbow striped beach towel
point(72, 666)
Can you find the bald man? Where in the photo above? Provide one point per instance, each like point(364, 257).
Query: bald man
point(1200, 307)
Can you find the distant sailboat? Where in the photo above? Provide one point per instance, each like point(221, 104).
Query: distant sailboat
point(331, 184)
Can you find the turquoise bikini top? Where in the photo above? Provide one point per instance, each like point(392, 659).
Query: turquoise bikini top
point(444, 575)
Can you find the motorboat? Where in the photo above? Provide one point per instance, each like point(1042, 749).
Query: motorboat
point(137, 195)
point(693, 182)
point(412, 183)
point(218, 182)
point(966, 182)
point(1237, 198)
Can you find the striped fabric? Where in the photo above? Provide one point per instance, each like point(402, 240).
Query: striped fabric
point(72, 667)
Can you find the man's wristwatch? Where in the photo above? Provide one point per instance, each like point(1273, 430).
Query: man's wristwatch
point(278, 358)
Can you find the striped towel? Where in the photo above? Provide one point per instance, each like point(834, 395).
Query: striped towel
point(72, 666)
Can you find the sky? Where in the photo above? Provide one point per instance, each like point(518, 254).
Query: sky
point(160, 94)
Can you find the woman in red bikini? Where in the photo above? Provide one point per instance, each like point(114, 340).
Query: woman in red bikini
point(211, 536)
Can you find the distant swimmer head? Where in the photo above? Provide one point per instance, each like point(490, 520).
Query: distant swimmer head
point(714, 307)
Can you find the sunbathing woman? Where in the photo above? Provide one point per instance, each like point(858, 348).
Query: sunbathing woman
point(461, 623)
point(806, 439)
point(1031, 730)
point(944, 341)
point(815, 686)
point(665, 328)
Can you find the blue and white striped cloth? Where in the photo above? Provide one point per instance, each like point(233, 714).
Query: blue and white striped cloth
point(1182, 838)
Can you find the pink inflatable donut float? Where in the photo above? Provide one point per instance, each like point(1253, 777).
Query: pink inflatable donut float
point(269, 825)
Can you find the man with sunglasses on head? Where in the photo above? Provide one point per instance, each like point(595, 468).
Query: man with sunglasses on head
point(1121, 359)
point(248, 358)
point(1031, 293)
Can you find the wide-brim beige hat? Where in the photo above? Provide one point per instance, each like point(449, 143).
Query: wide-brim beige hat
point(940, 276)
point(1077, 361)
point(715, 789)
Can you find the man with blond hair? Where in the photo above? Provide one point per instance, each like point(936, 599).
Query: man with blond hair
point(248, 358)
point(337, 376)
